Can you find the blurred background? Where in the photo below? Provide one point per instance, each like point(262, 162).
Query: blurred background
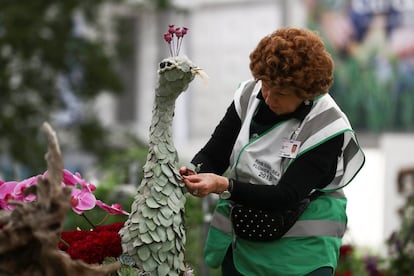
point(89, 67)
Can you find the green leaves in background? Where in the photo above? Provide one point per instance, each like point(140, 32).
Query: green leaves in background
point(42, 43)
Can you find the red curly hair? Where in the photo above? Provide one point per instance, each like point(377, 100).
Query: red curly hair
point(296, 58)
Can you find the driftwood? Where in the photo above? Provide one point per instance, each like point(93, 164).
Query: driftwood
point(30, 233)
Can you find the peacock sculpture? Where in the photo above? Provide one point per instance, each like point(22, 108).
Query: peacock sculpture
point(153, 237)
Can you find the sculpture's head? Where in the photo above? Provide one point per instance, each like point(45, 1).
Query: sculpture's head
point(175, 74)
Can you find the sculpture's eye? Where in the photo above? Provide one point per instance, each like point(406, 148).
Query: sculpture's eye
point(165, 64)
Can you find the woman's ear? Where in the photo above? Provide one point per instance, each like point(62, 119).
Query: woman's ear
point(308, 96)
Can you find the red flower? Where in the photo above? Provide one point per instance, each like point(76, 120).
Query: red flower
point(114, 227)
point(345, 251)
point(93, 246)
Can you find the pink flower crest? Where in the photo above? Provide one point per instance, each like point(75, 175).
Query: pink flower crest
point(174, 37)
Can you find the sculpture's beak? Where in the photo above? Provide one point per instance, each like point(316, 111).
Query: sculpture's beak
point(200, 72)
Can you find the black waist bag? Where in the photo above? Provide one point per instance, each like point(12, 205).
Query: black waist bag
point(259, 225)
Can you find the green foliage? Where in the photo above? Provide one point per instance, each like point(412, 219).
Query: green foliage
point(125, 270)
point(129, 160)
point(160, 5)
point(40, 43)
point(401, 242)
point(373, 88)
point(361, 93)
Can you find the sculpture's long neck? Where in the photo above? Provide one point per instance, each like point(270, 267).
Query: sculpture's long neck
point(161, 126)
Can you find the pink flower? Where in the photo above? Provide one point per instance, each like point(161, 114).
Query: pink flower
point(69, 178)
point(21, 188)
point(82, 197)
point(7, 193)
point(14, 190)
point(82, 200)
point(114, 209)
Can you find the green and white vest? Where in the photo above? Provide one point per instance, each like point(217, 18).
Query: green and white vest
point(314, 240)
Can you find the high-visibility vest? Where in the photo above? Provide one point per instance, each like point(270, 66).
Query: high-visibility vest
point(319, 230)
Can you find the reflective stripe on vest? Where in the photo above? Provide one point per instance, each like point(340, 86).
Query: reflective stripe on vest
point(222, 223)
point(312, 131)
point(301, 228)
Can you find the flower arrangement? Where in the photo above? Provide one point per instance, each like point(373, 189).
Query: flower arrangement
point(91, 246)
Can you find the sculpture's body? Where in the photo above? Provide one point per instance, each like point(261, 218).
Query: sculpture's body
point(154, 234)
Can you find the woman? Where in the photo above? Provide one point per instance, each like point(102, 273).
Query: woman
point(282, 137)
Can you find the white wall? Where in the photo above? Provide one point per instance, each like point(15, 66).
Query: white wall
point(222, 38)
point(373, 200)
point(399, 153)
point(366, 203)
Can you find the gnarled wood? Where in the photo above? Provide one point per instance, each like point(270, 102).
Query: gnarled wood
point(30, 234)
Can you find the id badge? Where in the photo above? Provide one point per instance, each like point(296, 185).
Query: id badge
point(290, 148)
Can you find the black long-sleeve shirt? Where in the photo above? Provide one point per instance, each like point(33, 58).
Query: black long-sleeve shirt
point(313, 169)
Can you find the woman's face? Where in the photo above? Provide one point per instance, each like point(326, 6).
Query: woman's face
point(280, 100)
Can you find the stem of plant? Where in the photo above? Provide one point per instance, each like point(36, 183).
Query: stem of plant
point(104, 219)
point(88, 220)
point(64, 242)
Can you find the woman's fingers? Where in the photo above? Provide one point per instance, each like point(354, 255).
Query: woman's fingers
point(192, 182)
point(185, 171)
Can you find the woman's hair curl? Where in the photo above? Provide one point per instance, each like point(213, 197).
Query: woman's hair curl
point(296, 58)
